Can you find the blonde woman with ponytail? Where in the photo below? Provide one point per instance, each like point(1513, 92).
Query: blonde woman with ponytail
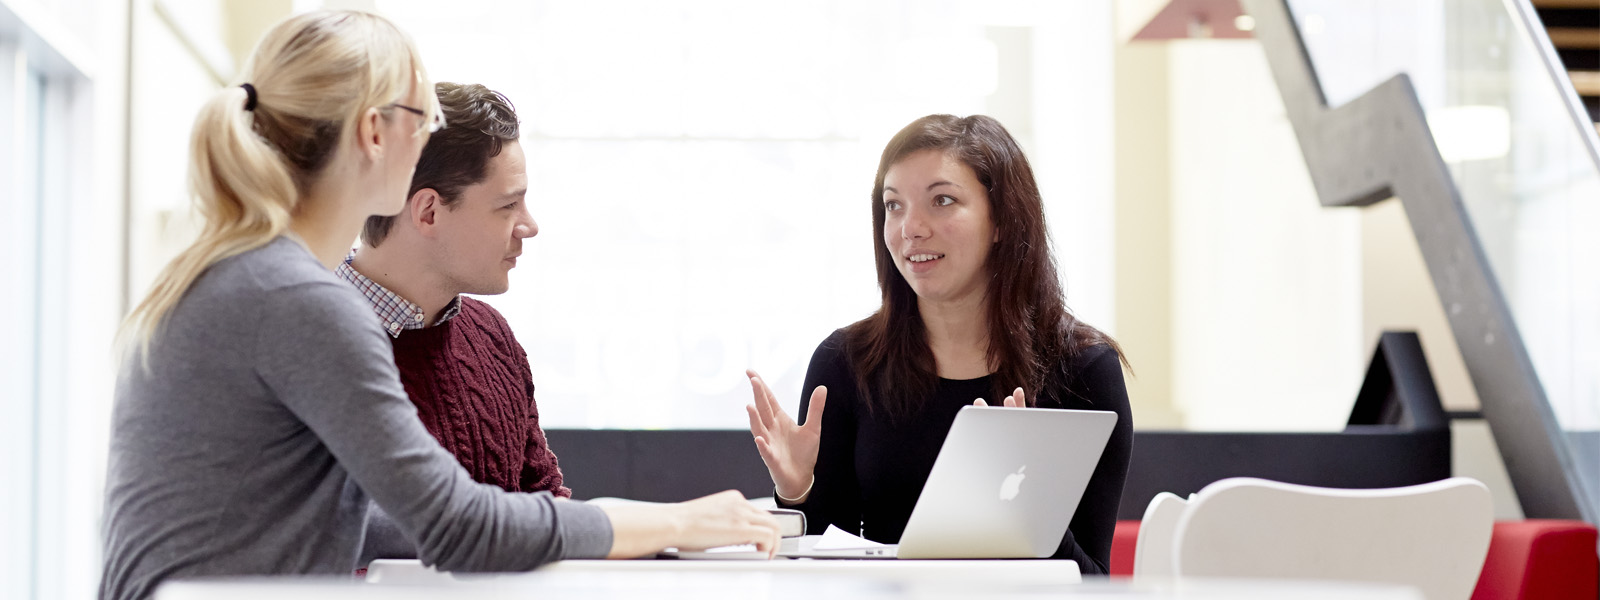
point(259, 408)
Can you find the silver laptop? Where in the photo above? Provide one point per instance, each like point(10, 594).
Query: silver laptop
point(1005, 485)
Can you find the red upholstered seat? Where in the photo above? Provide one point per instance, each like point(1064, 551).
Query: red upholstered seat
point(1540, 558)
point(1122, 543)
point(1528, 560)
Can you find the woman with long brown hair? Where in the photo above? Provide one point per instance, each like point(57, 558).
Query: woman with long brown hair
point(972, 308)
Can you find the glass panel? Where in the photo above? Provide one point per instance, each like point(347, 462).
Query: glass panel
point(19, 448)
point(1525, 166)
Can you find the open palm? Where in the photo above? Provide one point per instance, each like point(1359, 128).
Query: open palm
point(788, 449)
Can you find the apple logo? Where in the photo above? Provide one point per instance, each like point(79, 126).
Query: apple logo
point(1012, 484)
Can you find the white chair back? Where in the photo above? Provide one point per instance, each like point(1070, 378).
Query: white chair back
point(1433, 536)
point(1152, 553)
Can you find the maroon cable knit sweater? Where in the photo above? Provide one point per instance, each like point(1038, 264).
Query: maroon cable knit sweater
point(473, 389)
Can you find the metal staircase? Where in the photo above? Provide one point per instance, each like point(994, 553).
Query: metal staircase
point(1574, 29)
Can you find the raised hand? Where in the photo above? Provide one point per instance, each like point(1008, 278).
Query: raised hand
point(789, 450)
point(1017, 399)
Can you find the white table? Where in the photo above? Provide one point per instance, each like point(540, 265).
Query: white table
point(698, 583)
point(1032, 572)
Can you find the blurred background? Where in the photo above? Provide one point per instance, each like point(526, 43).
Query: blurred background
point(701, 173)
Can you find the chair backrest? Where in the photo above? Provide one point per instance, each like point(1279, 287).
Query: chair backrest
point(1432, 536)
point(1152, 555)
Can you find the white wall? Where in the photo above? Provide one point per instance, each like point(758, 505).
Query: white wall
point(170, 83)
point(1143, 245)
point(1266, 292)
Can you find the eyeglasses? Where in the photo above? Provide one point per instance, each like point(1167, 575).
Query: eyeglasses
point(434, 124)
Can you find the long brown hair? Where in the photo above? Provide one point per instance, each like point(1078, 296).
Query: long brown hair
point(1031, 331)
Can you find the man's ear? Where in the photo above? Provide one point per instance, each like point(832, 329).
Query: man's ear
point(369, 136)
point(423, 208)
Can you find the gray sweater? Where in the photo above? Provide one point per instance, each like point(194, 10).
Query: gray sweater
point(269, 414)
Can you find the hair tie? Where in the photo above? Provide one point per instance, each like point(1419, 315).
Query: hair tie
point(250, 96)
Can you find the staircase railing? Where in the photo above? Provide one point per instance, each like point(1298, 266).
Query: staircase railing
point(1456, 108)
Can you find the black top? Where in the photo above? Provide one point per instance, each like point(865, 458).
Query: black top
point(870, 471)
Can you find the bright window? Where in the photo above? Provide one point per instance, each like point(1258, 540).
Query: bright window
point(701, 174)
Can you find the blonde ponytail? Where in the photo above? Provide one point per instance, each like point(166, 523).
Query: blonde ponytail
point(313, 74)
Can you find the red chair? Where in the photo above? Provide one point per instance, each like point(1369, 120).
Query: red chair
point(1540, 558)
point(1122, 545)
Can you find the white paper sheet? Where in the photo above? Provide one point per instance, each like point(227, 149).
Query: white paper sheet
point(839, 539)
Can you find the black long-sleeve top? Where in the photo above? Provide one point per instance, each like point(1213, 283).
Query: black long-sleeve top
point(871, 470)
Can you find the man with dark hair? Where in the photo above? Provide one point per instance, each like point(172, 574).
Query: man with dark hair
point(460, 233)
